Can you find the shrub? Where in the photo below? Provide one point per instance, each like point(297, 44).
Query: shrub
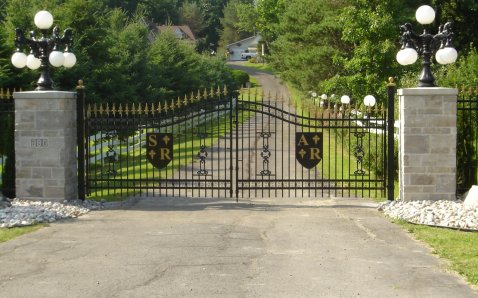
point(240, 77)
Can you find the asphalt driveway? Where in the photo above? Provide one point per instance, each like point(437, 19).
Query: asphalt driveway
point(163, 247)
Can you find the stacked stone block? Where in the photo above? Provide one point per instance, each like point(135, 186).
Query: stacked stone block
point(45, 145)
point(427, 144)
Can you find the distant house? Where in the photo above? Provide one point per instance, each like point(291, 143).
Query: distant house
point(246, 45)
point(182, 32)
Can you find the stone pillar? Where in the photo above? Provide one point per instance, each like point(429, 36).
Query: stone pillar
point(45, 145)
point(427, 146)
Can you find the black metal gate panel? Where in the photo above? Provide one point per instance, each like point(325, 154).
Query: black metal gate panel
point(467, 140)
point(217, 145)
point(316, 152)
point(177, 148)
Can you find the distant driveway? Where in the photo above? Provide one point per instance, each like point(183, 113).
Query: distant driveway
point(268, 81)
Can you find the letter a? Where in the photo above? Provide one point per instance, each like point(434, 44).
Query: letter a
point(303, 141)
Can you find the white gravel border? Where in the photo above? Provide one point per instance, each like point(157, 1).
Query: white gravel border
point(26, 212)
point(449, 214)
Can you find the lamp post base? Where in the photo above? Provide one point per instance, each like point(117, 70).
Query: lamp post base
point(44, 82)
point(426, 78)
point(426, 84)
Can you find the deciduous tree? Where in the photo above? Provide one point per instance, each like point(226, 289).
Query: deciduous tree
point(231, 32)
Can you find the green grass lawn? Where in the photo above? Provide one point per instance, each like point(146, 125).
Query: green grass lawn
point(460, 248)
point(10, 233)
point(261, 66)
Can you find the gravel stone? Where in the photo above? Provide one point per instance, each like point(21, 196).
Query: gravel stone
point(4, 201)
point(451, 214)
point(25, 212)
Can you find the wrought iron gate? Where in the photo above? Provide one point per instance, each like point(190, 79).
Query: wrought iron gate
point(214, 144)
point(467, 139)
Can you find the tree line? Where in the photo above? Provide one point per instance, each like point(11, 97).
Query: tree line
point(349, 46)
point(119, 56)
point(327, 46)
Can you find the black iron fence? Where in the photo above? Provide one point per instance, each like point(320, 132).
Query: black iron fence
point(213, 143)
point(7, 144)
point(467, 140)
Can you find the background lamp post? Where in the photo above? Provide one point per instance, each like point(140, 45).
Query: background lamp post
point(44, 49)
point(369, 101)
point(314, 96)
point(426, 44)
point(323, 99)
point(345, 99)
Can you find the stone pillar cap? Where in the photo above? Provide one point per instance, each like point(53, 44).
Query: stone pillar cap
point(428, 91)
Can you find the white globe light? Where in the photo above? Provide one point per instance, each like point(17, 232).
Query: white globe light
point(345, 99)
point(323, 96)
point(369, 100)
point(19, 59)
point(449, 55)
point(43, 19)
point(439, 57)
point(425, 15)
point(33, 62)
point(400, 57)
point(407, 56)
point(56, 58)
point(70, 59)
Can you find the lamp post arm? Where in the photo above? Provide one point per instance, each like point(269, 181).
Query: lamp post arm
point(20, 39)
point(67, 39)
point(408, 38)
point(55, 40)
point(445, 34)
point(32, 43)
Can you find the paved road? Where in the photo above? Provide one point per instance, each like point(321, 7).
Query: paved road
point(270, 84)
point(210, 248)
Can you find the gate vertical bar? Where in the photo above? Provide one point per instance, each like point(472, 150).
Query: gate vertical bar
point(391, 139)
point(236, 111)
point(80, 110)
point(7, 144)
point(230, 147)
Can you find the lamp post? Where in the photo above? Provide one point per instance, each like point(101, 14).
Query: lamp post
point(44, 49)
point(369, 101)
point(345, 99)
point(426, 44)
point(314, 96)
point(323, 99)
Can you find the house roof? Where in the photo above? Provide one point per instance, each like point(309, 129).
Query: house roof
point(243, 40)
point(184, 29)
